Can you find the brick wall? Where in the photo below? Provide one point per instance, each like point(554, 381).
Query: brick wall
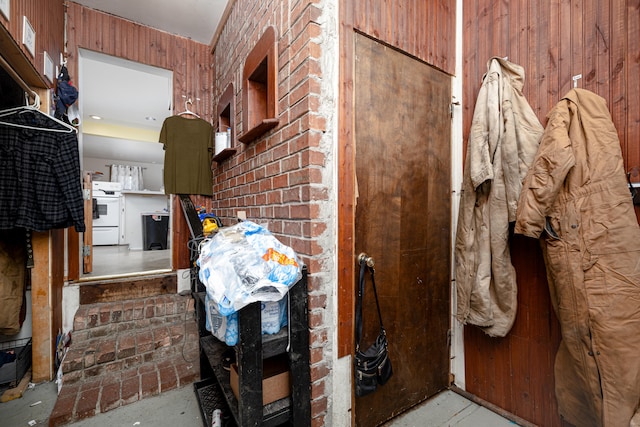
point(285, 178)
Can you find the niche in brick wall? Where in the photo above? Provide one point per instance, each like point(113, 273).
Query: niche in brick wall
point(260, 88)
point(225, 114)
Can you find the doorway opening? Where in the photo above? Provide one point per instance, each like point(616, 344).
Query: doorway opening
point(122, 107)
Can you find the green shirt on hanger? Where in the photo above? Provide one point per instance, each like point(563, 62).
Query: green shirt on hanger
point(188, 145)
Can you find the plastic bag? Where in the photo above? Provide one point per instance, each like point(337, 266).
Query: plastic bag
point(225, 328)
point(245, 263)
point(274, 315)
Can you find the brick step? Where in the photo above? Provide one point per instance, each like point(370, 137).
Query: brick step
point(103, 318)
point(89, 397)
point(121, 352)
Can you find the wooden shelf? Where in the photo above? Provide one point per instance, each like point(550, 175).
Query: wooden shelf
point(264, 126)
point(224, 154)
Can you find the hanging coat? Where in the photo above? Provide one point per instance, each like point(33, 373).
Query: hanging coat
point(576, 200)
point(503, 140)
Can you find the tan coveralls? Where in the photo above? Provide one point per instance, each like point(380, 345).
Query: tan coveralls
point(575, 198)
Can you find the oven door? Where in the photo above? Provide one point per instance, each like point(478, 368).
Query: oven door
point(108, 212)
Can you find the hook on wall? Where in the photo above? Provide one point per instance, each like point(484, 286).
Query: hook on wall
point(575, 79)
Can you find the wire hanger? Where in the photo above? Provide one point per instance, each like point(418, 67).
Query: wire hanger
point(186, 109)
point(35, 108)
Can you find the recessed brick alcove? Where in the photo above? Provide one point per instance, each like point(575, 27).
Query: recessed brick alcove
point(124, 351)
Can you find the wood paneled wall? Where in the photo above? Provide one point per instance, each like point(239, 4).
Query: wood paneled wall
point(47, 20)
point(192, 76)
point(553, 40)
point(423, 29)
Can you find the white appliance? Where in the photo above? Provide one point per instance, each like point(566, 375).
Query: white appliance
point(106, 221)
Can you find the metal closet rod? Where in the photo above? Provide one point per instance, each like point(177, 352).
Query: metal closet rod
point(115, 164)
point(9, 69)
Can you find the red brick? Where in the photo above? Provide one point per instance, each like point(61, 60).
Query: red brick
point(318, 372)
point(73, 361)
point(101, 331)
point(63, 410)
point(177, 334)
point(125, 326)
point(111, 378)
point(105, 314)
point(168, 379)
point(133, 362)
point(317, 389)
point(318, 407)
point(130, 391)
point(138, 310)
point(80, 336)
point(149, 384)
point(113, 367)
point(170, 307)
point(129, 373)
point(90, 384)
point(317, 421)
point(72, 377)
point(316, 355)
point(161, 337)
point(126, 346)
point(160, 307)
point(106, 351)
point(94, 371)
point(187, 373)
point(149, 308)
point(127, 311)
point(87, 403)
point(110, 397)
point(80, 319)
point(89, 358)
point(116, 314)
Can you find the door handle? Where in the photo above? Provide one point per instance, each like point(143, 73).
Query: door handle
point(367, 259)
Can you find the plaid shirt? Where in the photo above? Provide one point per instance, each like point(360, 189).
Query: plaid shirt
point(40, 179)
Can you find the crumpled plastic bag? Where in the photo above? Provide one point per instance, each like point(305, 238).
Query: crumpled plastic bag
point(225, 328)
point(245, 263)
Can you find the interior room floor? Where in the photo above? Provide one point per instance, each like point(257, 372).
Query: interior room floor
point(116, 260)
point(180, 408)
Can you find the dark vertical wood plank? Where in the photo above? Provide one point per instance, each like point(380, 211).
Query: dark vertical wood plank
point(532, 73)
point(618, 98)
point(603, 58)
point(564, 41)
point(632, 88)
point(544, 104)
point(347, 184)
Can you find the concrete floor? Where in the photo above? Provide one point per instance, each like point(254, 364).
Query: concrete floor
point(180, 408)
point(117, 260)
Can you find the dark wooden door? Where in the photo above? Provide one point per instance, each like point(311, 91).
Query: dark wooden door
point(403, 216)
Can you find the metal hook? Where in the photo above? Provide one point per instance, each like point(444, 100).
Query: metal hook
point(575, 79)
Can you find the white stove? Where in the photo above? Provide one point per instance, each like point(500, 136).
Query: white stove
point(106, 216)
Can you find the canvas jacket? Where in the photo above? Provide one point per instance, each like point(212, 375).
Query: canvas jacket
point(503, 140)
point(576, 200)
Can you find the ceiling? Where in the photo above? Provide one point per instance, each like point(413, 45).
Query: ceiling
point(133, 99)
point(195, 19)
